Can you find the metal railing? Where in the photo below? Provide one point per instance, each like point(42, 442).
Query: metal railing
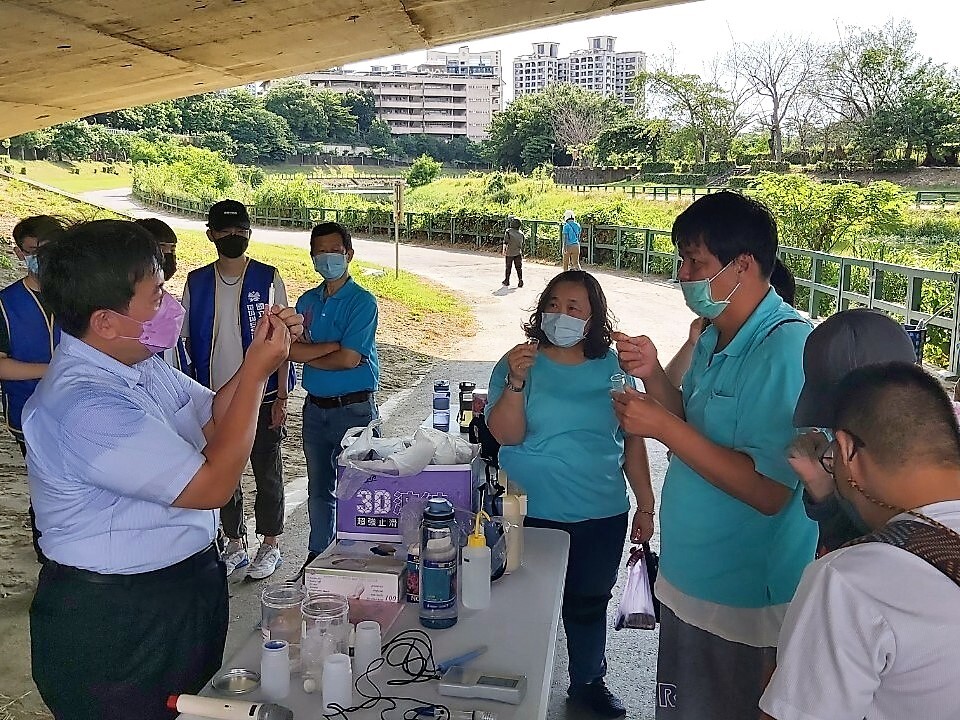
point(826, 283)
point(653, 192)
point(676, 192)
point(931, 197)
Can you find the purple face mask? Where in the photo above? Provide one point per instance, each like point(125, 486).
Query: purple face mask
point(161, 332)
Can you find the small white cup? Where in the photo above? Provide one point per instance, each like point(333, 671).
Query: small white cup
point(337, 681)
point(366, 649)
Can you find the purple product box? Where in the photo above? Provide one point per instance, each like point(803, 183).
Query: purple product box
point(373, 513)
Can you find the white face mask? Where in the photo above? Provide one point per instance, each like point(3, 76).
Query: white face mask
point(563, 330)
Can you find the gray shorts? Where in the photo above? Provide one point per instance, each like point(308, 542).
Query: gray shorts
point(701, 676)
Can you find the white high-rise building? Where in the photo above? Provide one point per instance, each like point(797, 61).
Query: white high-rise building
point(599, 68)
point(469, 64)
point(449, 95)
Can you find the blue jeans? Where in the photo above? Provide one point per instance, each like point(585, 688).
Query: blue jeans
point(323, 429)
point(596, 547)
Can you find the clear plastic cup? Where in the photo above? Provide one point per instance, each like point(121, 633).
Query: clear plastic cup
point(280, 616)
point(618, 383)
point(325, 632)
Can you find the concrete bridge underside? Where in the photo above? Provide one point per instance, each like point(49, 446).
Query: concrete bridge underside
point(64, 59)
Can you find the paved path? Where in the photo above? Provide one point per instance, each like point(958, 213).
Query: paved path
point(642, 305)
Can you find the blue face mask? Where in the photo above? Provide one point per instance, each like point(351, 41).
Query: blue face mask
point(699, 297)
point(331, 266)
point(563, 330)
point(32, 263)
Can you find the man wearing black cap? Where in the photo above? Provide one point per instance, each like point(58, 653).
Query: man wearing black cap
point(224, 300)
point(846, 341)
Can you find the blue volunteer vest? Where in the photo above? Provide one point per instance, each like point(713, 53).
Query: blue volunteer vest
point(181, 360)
point(254, 296)
point(32, 340)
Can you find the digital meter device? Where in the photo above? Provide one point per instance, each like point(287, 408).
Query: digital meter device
point(471, 683)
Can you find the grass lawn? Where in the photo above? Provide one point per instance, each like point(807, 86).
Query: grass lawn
point(194, 250)
point(58, 175)
point(408, 303)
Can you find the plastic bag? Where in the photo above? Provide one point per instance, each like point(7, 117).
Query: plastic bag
point(636, 609)
point(362, 443)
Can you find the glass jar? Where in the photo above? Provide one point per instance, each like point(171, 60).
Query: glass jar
point(325, 631)
point(280, 605)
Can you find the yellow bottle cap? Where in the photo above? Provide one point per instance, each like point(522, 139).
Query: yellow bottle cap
point(477, 538)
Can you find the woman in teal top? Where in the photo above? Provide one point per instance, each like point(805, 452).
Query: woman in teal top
point(551, 411)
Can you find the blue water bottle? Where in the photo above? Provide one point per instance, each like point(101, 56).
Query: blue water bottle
point(439, 561)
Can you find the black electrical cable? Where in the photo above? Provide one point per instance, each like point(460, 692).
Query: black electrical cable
point(411, 651)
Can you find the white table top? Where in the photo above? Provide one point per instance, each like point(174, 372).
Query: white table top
point(519, 627)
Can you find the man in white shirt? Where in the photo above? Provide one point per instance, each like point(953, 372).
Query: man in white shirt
point(874, 629)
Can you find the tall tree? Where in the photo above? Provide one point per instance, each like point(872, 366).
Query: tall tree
point(579, 115)
point(301, 106)
point(781, 70)
point(628, 142)
point(74, 140)
point(868, 70)
point(363, 106)
point(927, 116)
point(688, 101)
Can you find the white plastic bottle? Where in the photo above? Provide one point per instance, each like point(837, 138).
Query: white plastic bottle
point(475, 593)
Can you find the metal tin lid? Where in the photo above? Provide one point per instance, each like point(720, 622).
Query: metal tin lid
point(236, 681)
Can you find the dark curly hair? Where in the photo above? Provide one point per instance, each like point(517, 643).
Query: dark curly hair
point(597, 341)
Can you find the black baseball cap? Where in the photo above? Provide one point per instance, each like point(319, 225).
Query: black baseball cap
point(843, 342)
point(227, 214)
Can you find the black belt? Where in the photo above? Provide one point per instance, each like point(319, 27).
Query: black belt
point(334, 402)
point(208, 557)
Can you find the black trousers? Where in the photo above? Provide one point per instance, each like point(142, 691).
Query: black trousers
point(113, 647)
point(596, 547)
point(511, 262)
point(41, 558)
point(267, 467)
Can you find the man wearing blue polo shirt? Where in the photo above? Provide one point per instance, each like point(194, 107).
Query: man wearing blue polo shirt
point(734, 535)
point(340, 371)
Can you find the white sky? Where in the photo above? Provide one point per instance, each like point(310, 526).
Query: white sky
point(695, 32)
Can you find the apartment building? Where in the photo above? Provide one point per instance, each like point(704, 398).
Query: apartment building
point(449, 95)
point(598, 68)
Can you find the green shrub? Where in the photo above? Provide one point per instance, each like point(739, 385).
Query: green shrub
point(760, 166)
point(423, 171)
point(714, 167)
point(685, 179)
point(741, 182)
point(657, 167)
point(898, 165)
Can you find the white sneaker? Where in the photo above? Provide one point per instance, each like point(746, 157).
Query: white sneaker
point(235, 557)
point(266, 562)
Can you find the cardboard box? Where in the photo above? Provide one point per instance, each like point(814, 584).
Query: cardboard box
point(374, 511)
point(352, 570)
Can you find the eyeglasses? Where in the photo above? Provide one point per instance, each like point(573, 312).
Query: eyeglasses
point(827, 455)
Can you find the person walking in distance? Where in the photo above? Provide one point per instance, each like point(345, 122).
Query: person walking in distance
point(570, 232)
point(513, 240)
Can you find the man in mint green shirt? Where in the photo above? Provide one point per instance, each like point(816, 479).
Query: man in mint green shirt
point(734, 535)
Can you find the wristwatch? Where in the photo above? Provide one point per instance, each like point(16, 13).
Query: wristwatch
point(514, 388)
